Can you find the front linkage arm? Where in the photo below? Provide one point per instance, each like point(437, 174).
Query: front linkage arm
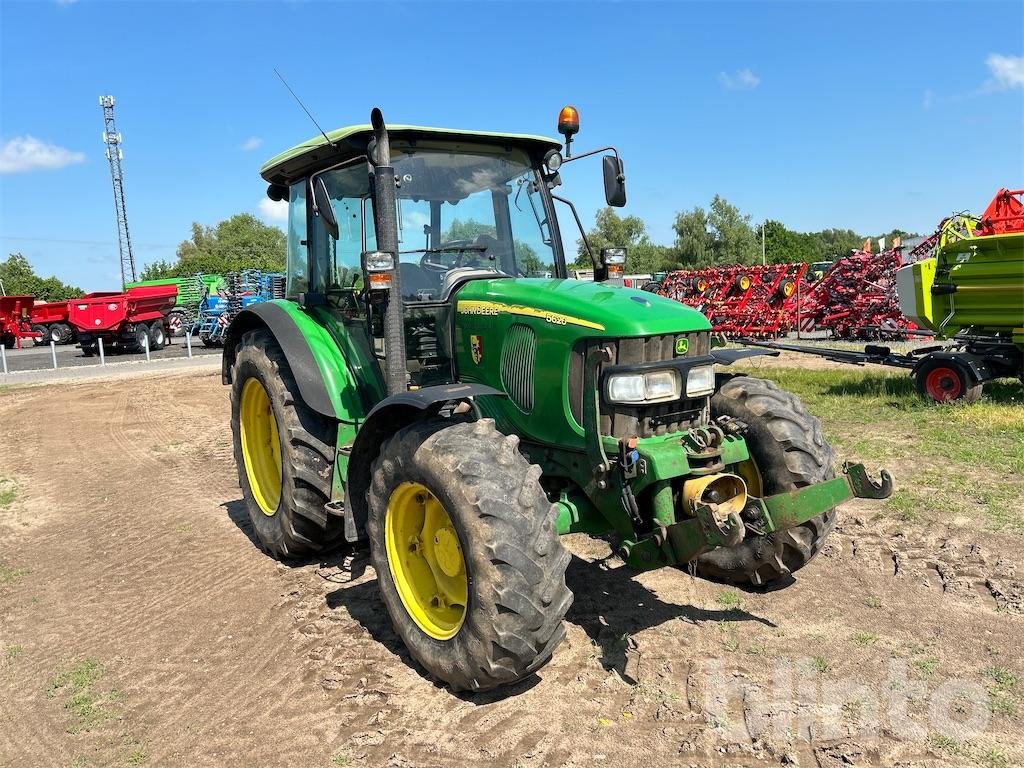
point(683, 541)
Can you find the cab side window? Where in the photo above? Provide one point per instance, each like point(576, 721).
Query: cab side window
point(298, 279)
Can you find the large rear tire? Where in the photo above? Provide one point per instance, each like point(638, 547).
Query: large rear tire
point(468, 560)
point(284, 452)
point(788, 451)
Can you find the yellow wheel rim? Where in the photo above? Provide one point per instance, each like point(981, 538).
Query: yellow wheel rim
point(751, 476)
point(426, 560)
point(261, 446)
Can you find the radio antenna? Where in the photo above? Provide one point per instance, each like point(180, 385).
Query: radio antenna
point(297, 99)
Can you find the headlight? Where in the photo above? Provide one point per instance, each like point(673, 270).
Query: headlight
point(700, 381)
point(653, 387)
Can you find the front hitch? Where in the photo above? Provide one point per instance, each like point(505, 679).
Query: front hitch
point(708, 529)
point(793, 508)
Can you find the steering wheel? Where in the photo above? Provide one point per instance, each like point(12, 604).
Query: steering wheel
point(479, 252)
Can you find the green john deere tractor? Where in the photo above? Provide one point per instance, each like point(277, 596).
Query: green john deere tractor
point(422, 390)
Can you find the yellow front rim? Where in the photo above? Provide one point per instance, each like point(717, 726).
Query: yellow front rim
point(426, 560)
point(261, 446)
point(751, 476)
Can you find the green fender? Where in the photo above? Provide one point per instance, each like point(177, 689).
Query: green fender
point(315, 346)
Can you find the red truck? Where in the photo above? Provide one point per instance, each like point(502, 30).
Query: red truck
point(124, 319)
point(15, 320)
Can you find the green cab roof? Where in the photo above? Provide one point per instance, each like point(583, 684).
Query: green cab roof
point(351, 141)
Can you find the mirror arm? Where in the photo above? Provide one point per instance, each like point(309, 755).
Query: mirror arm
point(613, 150)
point(583, 234)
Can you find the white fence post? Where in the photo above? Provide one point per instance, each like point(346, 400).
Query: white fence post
point(53, 353)
point(103, 357)
point(147, 346)
point(188, 343)
point(3, 356)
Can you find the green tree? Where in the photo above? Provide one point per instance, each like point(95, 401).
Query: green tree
point(241, 242)
point(19, 278)
point(732, 237)
point(693, 245)
point(630, 232)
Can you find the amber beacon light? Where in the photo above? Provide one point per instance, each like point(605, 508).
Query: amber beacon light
point(568, 126)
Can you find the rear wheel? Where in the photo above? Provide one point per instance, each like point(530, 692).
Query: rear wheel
point(66, 334)
point(945, 381)
point(467, 556)
point(787, 451)
point(157, 335)
point(178, 321)
point(137, 338)
point(284, 452)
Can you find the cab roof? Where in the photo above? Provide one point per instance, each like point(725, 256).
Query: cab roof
point(351, 141)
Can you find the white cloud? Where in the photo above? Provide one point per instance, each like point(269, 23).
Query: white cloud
point(740, 80)
point(1007, 71)
point(26, 153)
point(274, 210)
point(253, 142)
point(928, 100)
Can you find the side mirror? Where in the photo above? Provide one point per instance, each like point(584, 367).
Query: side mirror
point(614, 181)
point(322, 204)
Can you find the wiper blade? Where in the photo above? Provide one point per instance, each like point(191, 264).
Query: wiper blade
point(448, 249)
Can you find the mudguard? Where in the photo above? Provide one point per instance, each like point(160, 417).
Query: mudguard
point(976, 366)
point(324, 380)
point(386, 418)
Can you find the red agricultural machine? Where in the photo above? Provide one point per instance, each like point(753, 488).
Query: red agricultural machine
point(750, 301)
point(128, 320)
point(16, 320)
point(856, 298)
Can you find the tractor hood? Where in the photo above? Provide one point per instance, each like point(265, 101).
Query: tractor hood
point(611, 311)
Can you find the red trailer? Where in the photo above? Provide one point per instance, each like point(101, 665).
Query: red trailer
point(15, 320)
point(125, 319)
point(50, 318)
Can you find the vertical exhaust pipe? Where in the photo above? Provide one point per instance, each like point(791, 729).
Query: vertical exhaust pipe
point(385, 201)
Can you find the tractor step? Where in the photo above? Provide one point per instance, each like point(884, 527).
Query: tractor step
point(335, 508)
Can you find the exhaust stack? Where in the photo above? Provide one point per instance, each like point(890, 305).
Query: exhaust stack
point(385, 202)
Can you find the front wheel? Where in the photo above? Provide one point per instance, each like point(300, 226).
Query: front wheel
point(787, 451)
point(468, 560)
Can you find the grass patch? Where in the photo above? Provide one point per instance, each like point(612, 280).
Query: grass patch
point(820, 664)
point(83, 703)
point(865, 638)
point(926, 666)
point(8, 493)
point(1003, 698)
point(873, 602)
point(11, 576)
point(138, 757)
point(729, 598)
point(13, 652)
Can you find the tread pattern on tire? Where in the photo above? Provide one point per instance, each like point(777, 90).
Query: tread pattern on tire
point(518, 596)
point(791, 452)
point(300, 527)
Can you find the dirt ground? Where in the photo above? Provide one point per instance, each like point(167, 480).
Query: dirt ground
point(140, 625)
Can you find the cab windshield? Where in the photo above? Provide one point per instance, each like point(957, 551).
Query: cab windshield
point(467, 208)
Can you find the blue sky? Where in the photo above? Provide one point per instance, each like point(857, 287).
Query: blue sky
point(865, 115)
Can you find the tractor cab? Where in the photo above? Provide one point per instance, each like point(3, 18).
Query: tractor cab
point(467, 206)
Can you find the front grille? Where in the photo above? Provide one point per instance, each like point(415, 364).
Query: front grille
point(625, 421)
point(517, 356)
